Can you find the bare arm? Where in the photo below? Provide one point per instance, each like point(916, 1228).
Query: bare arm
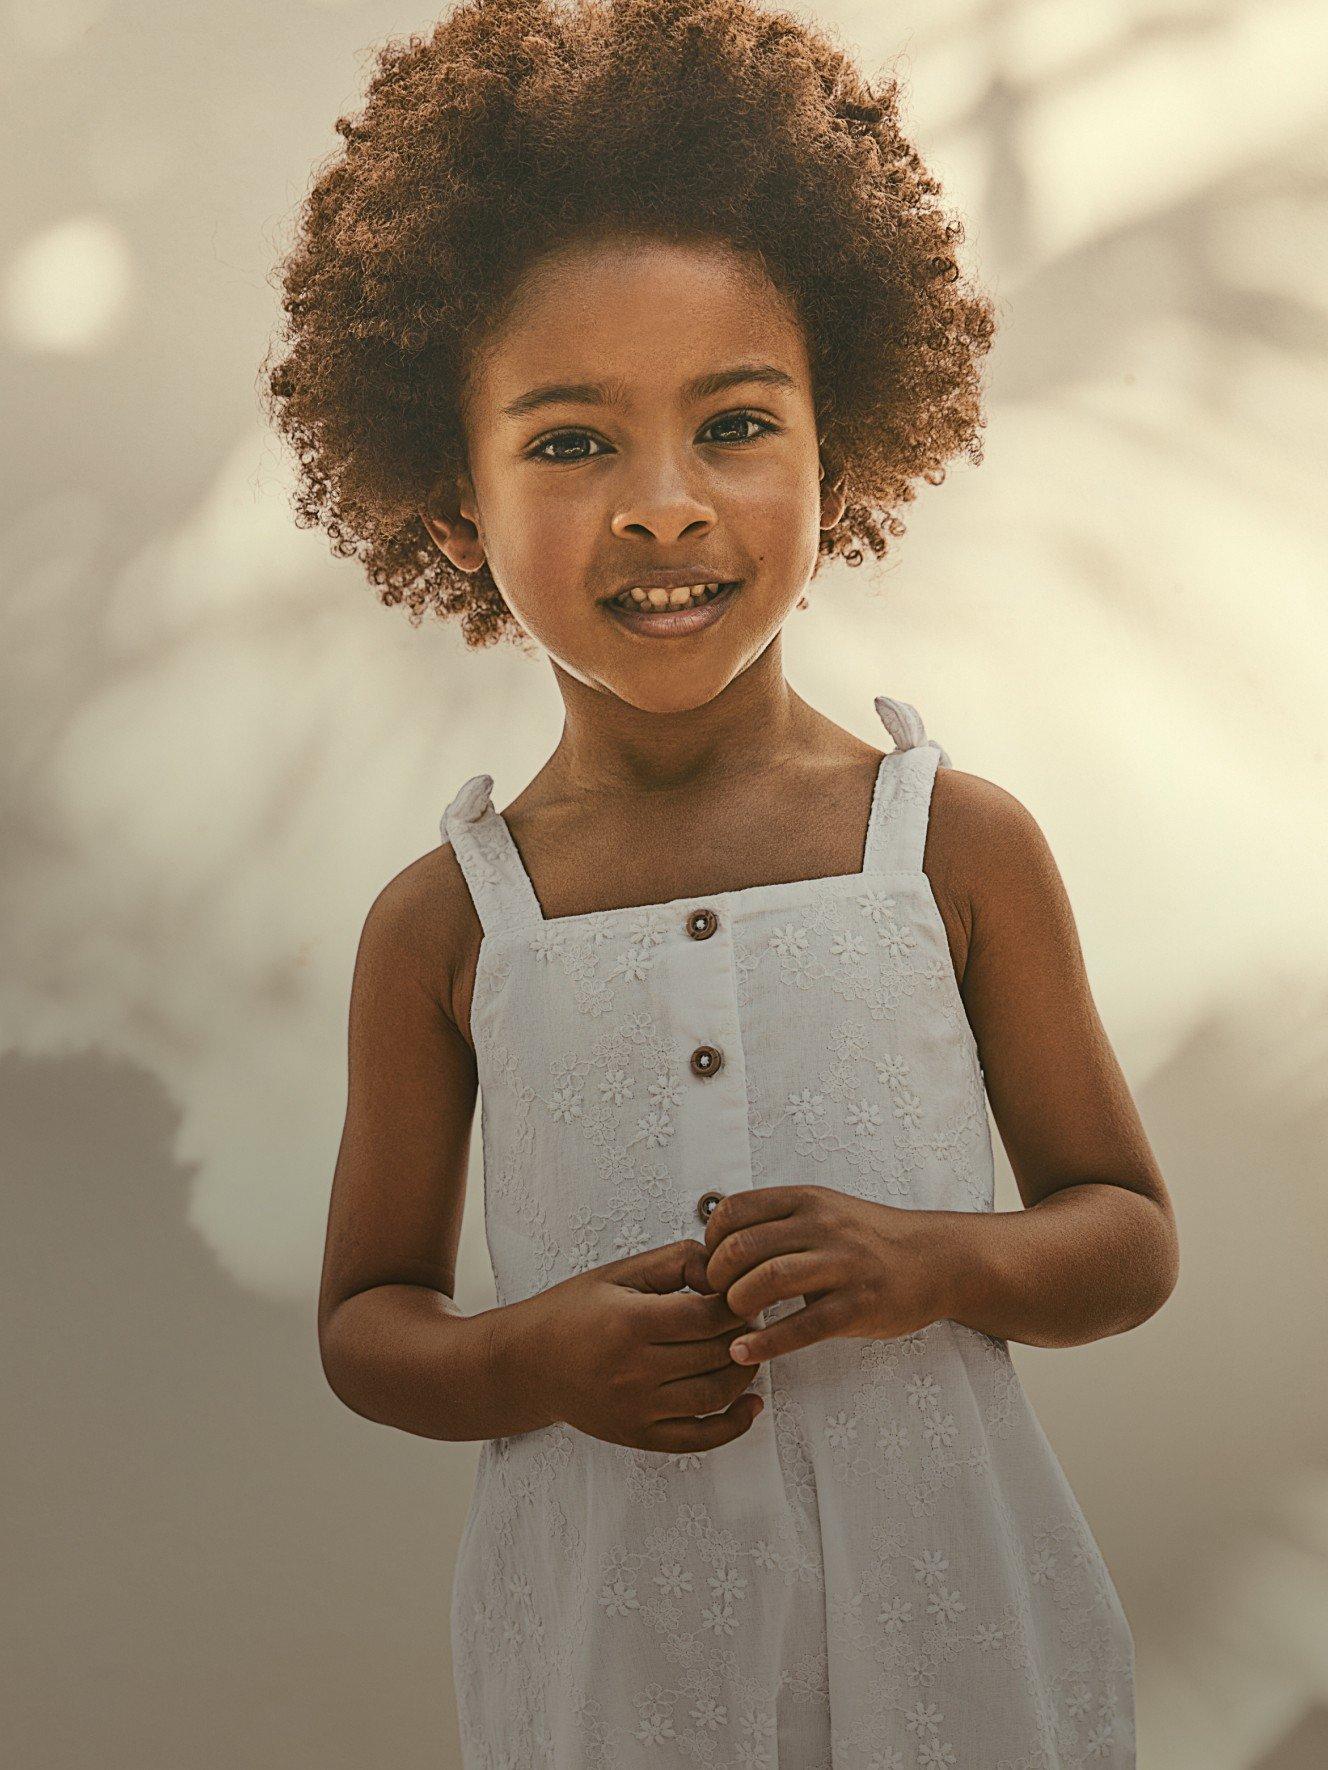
point(395, 1347)
point(1095, 1250)
point(408, 1357)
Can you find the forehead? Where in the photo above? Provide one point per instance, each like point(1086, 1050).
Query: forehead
point(645, 315)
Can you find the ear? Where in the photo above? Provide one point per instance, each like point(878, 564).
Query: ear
point(451, 530)
point(833, 502)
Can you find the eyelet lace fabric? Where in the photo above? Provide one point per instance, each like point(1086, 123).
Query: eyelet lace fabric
point(889, 1568)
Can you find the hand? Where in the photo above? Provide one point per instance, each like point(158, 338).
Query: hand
point(866, 1270)
point(636, 1352)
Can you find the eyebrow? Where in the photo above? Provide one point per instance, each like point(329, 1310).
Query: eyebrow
point(592, 393)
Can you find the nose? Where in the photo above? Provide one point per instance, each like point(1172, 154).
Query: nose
point(664, 525)
point(665, 505)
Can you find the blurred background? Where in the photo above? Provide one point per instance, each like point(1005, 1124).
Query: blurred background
point(218, 747)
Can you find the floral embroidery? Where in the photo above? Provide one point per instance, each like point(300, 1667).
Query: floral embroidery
point(897, 941)
point(664, 1092)
point(634, 962)
point(945, 1603)
point(850, 948)
point(865, 1117)
point(619, 1598)
point(923, 1717)
point(1044, 1566)
point(789, 942)
point(935, 1751)
point(804, 1107)
point(674, 1581)
point(876, 905)
point(894, 1511)
point(655, 1127)
point(615, 1085)
point(655, 1729)
point(566, 1102)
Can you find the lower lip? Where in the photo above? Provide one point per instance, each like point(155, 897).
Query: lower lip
point(665, 623)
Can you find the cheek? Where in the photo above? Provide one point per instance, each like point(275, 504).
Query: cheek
point(539, 553)
point(778, 517)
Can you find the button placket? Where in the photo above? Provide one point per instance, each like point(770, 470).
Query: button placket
point(706, 1060)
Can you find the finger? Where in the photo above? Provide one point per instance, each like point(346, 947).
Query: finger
point(745, 1249)
point(662, 1270)
point(707, 1431)
point(695, 1276)
point(672, 1311)
point(781, 1277)
point(803, 1327)
point(694, 1269)
point(686, 1316)
point(759, 1204)
point(693, 1358)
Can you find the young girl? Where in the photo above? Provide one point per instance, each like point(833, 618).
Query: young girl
point(614, 321)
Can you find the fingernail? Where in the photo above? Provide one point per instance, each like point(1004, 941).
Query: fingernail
point(740, 1349)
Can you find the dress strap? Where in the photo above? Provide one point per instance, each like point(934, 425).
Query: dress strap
point(499, 884)
point(897, 831)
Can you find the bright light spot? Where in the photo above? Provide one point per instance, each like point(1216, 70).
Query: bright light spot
point(68, 289)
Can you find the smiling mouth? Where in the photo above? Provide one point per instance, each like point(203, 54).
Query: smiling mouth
point(651, 598)
point(704, 605)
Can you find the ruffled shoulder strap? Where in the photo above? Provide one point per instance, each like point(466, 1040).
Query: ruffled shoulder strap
point(897, 832)
point(499, 884)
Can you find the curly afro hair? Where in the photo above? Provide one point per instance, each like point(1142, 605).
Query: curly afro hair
point(518, 125)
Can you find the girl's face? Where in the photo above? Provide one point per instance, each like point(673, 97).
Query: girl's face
point(647, 407)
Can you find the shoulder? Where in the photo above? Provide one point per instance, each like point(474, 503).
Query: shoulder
point(984, 851)
point(425, 918)
point(966, 808)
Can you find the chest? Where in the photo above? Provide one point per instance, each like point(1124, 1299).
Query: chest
point(587, 877)
point(700, 886)
point(635, 1062)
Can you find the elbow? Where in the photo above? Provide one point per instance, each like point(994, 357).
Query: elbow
point(327, 1315)
point(339, 1382)
point(1170, 1255)
point(331, 1369)
point(1163, 1266)
point(332, 1357)
point(350, 1369)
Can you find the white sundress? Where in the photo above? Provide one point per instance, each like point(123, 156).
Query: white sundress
point(889, 1568)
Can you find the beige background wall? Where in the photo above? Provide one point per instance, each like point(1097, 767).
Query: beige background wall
point(218, 748)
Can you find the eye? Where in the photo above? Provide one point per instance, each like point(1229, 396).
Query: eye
point(536, 451)
point(763, 424)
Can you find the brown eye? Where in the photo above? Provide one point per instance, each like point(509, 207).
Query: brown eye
point(560, 436)
point(742, 418)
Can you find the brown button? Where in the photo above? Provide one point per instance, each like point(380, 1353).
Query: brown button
point(706, 1204)
point(706, 1060)
point(701, 924)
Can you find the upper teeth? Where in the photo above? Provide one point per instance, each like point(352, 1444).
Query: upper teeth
point(658, 597)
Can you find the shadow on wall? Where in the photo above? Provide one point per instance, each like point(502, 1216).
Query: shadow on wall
point(218, 1565)
point(1305, 1747)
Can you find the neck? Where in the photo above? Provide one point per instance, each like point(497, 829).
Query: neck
point(608, 746)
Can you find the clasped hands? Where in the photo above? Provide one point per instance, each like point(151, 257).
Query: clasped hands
point(866, 1270)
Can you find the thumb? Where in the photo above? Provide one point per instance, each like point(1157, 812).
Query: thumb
point(673, 1266)
point(695, 1258)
